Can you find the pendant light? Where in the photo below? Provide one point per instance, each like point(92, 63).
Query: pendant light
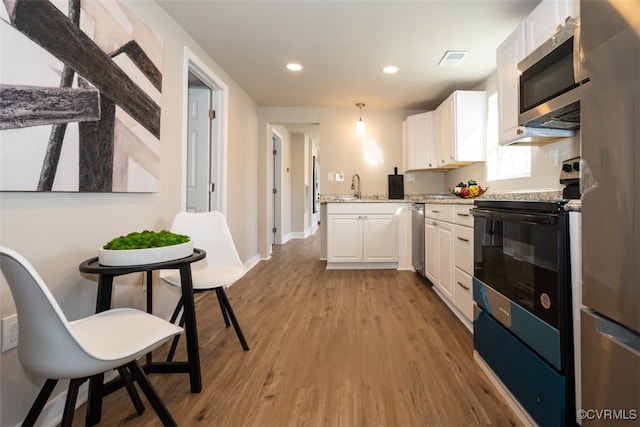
point(360, 123)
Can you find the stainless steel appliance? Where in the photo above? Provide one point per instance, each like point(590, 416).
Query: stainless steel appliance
point(570, 177)
point(550, 77)
point(417, 239)
point(610, 323)
point(522, 288)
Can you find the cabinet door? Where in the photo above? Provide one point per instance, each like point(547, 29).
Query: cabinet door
point(380, 238)
point(445, 258)
point(509, 54)
point(444, 132)
point(543, 21)
point(463, 298)
point(468, 115)
point(419, 148)
point(344, 238)
point(430, 250)
point(463, 248)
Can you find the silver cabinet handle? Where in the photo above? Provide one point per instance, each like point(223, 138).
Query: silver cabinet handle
point(466, 288)
point(463, 239)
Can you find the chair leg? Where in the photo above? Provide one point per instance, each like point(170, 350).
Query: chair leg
point(222, 295)
point(133, 393)
point(70, 404)
point(223, 309)
point(94, 401)
point(151, 394)
point(39, 403)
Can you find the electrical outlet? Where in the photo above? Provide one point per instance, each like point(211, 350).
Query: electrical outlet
point(411, 177)
point(9, 332)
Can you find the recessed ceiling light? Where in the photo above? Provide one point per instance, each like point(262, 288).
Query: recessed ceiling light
point(452, 58)
point(391, 69)
point(292, 66)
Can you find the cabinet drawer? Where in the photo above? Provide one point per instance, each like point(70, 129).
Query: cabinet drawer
point(462, 293)
point(463, 248)
point(462, 215)
point(441, 212)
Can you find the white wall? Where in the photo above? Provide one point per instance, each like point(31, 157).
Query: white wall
point(57, 231)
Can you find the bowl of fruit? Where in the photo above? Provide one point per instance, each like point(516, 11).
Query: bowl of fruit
point(468, 190)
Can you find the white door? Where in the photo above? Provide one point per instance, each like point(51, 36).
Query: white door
point(277, 189)
point(198, 128)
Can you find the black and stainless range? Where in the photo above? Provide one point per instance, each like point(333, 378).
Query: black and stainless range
point(522, 289)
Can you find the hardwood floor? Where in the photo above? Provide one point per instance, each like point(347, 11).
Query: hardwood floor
point(328, 348)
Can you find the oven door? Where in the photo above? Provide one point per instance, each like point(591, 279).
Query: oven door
point(521, 256)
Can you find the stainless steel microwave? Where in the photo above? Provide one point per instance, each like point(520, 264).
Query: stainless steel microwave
point(549, 82)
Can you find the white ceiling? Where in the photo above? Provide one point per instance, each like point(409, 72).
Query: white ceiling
point(343, 46)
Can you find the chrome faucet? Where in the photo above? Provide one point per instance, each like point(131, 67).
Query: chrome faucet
point(355, 187)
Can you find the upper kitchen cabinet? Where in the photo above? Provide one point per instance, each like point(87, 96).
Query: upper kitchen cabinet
point(418, 141)
point(509, 54)
point(543, 21)
point(460, 129)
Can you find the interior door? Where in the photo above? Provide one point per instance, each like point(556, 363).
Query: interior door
point(198, 128)
point(276, 235)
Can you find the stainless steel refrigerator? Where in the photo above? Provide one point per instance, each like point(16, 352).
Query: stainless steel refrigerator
point(610, 132)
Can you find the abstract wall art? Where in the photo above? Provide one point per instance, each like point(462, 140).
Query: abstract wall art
point(80, 96)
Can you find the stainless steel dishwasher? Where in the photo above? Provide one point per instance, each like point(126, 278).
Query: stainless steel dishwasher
point(417, 237)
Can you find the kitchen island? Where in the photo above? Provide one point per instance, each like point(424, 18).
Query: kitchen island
point(370, 232)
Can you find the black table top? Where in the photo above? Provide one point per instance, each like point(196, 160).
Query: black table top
point(92, 265)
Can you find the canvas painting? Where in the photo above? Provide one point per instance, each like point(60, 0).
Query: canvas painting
point(80, 97)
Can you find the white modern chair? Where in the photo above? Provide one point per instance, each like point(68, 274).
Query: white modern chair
point(52, 347)
point(220, 269)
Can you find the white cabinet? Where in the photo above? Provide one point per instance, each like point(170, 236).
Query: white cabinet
point(508, 55)
point(449, 256)
point(463, 255)
point(344, 238)
point(544, 21)
point(362, 233)
point(460, 129)
point(418, 141)
point(379, 238)
point(439, 246)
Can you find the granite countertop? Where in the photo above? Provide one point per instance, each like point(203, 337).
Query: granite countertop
point(550, 195)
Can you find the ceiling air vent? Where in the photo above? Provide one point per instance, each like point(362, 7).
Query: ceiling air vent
point(452, 58)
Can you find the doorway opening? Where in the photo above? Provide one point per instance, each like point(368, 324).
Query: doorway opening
point(205, 157)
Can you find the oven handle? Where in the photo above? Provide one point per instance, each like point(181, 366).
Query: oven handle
point(526, 218)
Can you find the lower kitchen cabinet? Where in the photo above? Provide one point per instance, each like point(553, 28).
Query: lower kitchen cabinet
point(369, 236)
point(463, 255)
point(449, 256)
point(463, 299)
point(438, 230)
point(439, 254)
